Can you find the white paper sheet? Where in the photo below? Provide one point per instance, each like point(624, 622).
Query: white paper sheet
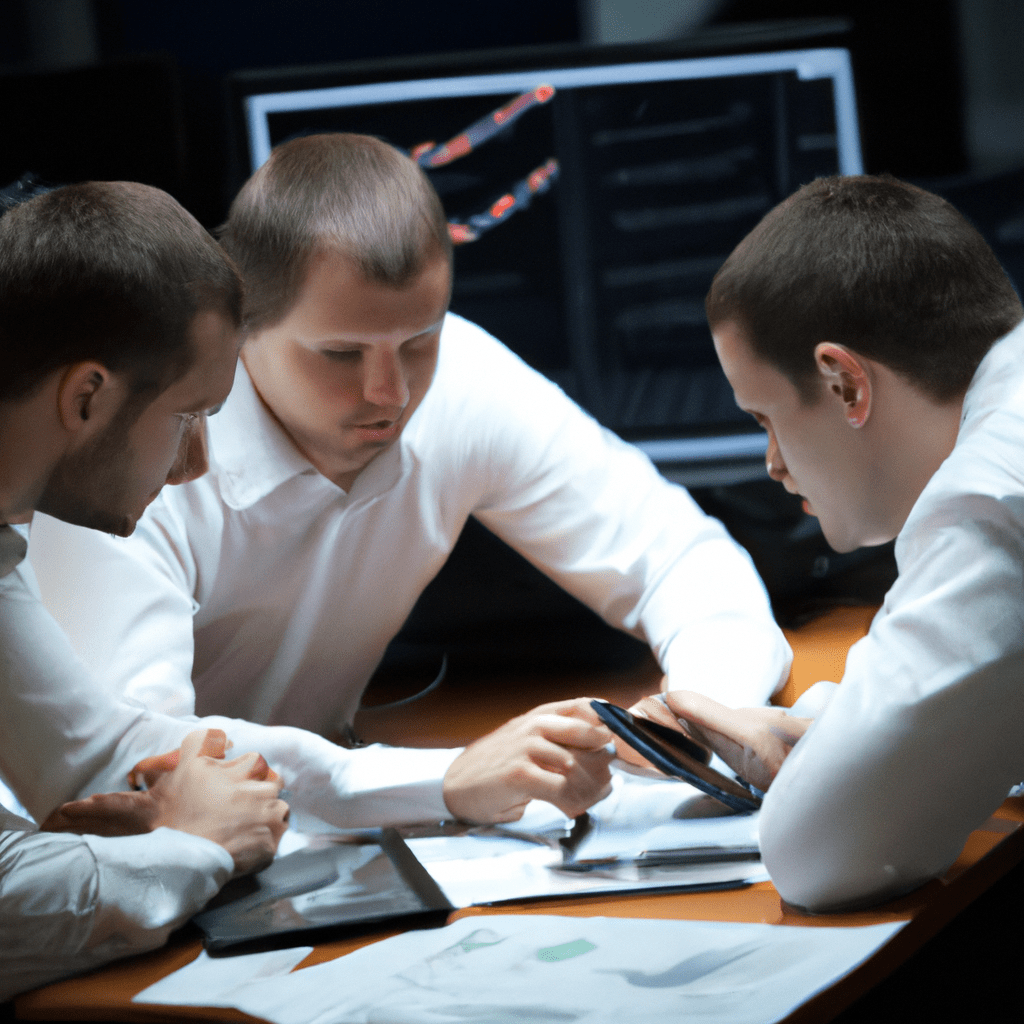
point(641, 815)
point(506, 869)
point(513, 968)
point(209, 981)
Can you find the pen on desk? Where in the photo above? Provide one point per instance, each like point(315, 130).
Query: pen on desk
point(666, 858)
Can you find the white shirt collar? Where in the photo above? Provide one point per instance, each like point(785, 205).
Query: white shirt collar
point(251, 455)
point(998, 373)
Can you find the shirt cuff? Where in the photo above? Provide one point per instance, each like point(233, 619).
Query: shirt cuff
point(152, 882)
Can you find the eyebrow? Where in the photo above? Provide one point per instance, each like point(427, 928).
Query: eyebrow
point(352, 343)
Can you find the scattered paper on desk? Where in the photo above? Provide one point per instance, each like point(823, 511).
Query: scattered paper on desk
point(213, 981)
point(641, 815)
point(511, 968)
point(501, 869)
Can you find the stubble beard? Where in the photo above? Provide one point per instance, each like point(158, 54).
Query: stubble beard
point(89, 488)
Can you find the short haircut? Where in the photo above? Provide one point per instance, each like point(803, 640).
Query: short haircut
point(887, 269)
point(108, 271)
point(351, 195)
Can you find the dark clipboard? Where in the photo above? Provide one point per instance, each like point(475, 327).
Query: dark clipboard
point(676, 755)
point(341, 886)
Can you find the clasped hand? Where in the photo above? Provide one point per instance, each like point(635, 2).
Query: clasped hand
point(233, 803)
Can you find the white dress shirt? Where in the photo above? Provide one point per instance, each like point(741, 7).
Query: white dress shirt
point(925, 736)
point(265, 591)
point(69, 903)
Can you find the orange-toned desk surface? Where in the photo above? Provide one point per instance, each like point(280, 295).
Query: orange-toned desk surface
point(819, 653)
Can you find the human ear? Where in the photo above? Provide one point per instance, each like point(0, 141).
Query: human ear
point(847, 378)
point(85, 393)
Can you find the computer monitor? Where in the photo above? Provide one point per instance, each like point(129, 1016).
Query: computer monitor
point(593, 194)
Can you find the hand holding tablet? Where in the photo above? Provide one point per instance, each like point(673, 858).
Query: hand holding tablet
point(675, 754)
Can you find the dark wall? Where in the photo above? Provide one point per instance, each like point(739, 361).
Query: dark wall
point(907, 65)
point(151, 108)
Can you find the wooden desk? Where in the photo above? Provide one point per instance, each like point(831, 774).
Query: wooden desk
point(461, 709)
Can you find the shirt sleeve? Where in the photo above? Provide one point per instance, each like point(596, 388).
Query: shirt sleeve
point(64, 737)
point(136, 629)
point(922, 741)
point(595, 515)
point(71, 903)
point(329, 785)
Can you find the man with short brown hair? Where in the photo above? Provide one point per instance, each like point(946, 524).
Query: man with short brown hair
point(873, 334)
point(118, 331)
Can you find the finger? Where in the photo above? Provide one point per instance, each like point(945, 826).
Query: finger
point(586, 780)
point(578, 707)
point(562, 760)
point(214, 744)
point(149, 769)
point(624, 752)
point(254, 766)
point(654, 709)
point(192, 745)
point(569, 708)
point(255, 856)
point(550, 756)
point(572, 796)
point(701, 710)
point(62, 819)
point(145, 774)
point(790, 728)
point(104, 814)
point(571, 732)
point(277, 814)
point(597, 763)
point(512, 813)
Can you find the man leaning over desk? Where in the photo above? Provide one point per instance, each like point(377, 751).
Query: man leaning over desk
point(119, 324)
point(873, 334)
point(366, 425)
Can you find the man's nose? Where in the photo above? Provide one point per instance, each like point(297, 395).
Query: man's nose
point(384, 384)
point(193, 458)
point(773, 460)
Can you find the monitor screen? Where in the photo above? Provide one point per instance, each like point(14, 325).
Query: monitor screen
point(591, 206)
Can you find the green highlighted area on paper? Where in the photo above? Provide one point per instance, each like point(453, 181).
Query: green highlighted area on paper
point(566, 951)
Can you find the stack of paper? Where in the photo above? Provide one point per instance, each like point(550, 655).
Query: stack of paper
point(535, 968)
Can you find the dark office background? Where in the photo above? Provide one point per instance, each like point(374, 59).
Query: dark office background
point(104, 88)
point(134, 89)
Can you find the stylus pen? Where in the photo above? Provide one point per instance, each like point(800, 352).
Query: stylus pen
point(668, 858)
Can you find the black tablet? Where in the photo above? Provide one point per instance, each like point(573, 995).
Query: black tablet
point(339, 885)
point(675, 754)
